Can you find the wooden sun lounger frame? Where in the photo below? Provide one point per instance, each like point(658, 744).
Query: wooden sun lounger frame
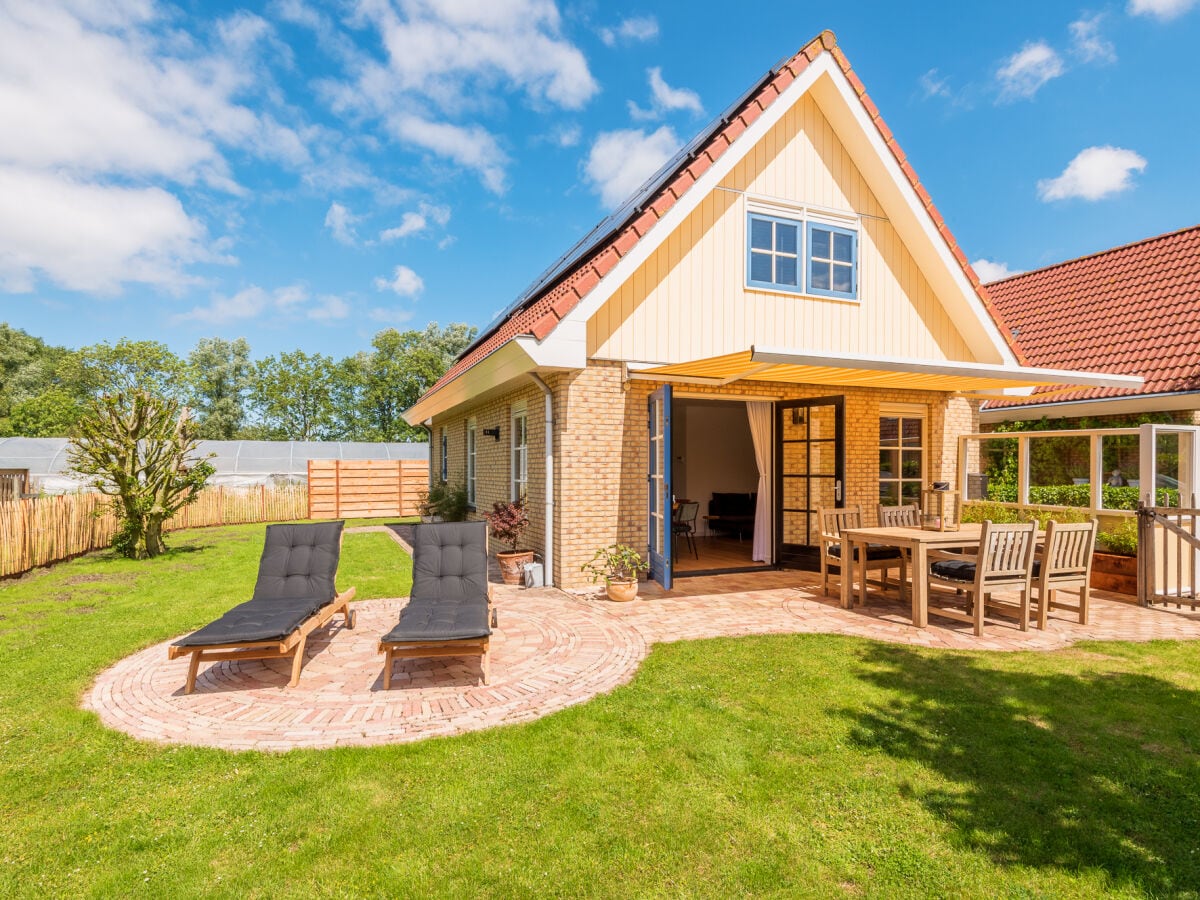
point(394, 650)
point(291, 646)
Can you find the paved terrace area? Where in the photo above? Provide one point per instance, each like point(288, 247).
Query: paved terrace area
point(552, 650)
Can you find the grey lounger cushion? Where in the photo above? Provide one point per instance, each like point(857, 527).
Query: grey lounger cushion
point(255, 620)
point(295, 579)
point(449, 594)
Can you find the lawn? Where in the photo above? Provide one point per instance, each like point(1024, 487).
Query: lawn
point(799, 765)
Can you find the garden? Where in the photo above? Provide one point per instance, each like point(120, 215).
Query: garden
point(795, 764)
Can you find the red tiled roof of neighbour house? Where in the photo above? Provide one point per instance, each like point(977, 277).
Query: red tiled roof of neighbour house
point(1133, 309)
point(539, 315)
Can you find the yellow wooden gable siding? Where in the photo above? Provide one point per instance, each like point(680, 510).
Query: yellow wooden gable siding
point(689, 299)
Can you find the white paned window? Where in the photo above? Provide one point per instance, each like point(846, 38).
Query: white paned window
point(520, 453)
point(471, 434)
point(901, 458)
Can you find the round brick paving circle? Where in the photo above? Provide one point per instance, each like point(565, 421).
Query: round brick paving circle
point(548, 653)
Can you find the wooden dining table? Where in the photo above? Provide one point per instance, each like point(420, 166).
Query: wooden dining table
point(918, 541)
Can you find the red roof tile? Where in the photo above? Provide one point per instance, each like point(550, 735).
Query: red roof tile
point(559, 298)
point(1134, 310)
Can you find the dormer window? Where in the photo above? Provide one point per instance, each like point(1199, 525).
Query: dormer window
point(802, 255)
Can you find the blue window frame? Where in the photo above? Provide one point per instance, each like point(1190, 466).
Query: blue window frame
point(445, 457)
point(832, 261)
point(773, 253)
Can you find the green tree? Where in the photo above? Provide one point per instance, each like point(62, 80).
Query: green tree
point(140, 450)
point(125, 367)
point(293, 396)
point(53, 413)
point(222, 376)
point(28, 370)
point(399, 369)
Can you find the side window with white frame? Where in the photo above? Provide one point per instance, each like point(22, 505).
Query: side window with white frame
point(471, 436)
point(774, 253)
point(445, 466)
point(901, 456)
point(520, 452)
point(832, 261)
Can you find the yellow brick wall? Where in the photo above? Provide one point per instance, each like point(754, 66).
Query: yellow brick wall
point(601, 452)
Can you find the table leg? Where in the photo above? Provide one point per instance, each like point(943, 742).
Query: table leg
point(861, 555)
point(847, 574)
point(920, 586)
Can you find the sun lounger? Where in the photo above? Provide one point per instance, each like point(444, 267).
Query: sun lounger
point(450, 611)
point(293, 597)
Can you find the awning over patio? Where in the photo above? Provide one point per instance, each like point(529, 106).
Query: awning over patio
point(846, 370)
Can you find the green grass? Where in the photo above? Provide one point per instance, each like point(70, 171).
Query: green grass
point(797, 765)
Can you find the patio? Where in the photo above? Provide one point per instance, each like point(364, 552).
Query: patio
point(552, 650)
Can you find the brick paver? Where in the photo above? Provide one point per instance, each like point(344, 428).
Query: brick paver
point(552, 650)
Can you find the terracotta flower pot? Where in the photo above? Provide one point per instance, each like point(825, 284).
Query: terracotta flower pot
point(622, 591)
point(512, 565)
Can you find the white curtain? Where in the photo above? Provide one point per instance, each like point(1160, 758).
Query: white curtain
point(762, 415)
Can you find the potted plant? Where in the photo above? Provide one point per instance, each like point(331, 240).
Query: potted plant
point(619, 566)
point(431, 502)
point(507, 523)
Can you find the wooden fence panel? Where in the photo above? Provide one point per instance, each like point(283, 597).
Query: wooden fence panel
point(365, 488)
point(1168, 555)
point(42, 530)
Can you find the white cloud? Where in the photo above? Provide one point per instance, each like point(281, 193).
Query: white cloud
point(472, 147)
point(989, 270)
point(107, 104)
point(1025, 72)
point(1093, 174)
point(293, 301)
point(404, 281)
point(93, 237)
point(1088, 44)
point(416, 222)
point(1163, 10)
point(665, 99)
point(340, 222)
point(389, 315)
point(620, 161)
point(933, 86)
point(567, 135)
point(636, 29)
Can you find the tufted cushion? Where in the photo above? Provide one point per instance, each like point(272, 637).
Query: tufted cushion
point(874, 551)
point(441, 620)
point(450, 562)
point(299, 561)
point(255, 620)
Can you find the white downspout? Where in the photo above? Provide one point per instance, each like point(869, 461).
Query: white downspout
point(548, 556)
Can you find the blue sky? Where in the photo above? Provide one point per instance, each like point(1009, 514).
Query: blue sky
point(304, 175)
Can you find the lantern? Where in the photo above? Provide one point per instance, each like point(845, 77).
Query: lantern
point(940, 508)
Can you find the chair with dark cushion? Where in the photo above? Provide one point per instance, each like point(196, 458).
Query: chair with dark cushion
point(293, 596)
point(450, 610)
point(1005, 562)
point(832, 523)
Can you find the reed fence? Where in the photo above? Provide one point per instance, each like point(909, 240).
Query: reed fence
point(42, 530)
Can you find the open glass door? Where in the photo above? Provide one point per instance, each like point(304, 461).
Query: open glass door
point(810, 469)
point(658, 481)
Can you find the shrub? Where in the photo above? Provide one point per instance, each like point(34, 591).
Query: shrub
point(1121, 539)
point(975, 511)
point(507, 522)
point(446, 500)
point(616, 562)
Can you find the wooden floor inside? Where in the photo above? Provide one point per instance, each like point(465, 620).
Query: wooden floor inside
point(718, 552)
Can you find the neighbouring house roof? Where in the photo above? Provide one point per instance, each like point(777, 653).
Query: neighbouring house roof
point(1132, 309)
point(560, 288)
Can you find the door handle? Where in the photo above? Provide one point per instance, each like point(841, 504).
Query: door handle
point(837, 490)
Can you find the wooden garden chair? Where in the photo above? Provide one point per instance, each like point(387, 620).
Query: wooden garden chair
point(879, 558)
point(907, 516)
point(1064, 563)
point(293, 597)
point(1004, 563)
point(450, 611)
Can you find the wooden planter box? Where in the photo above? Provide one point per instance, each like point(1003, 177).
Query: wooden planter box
point(1114, 572)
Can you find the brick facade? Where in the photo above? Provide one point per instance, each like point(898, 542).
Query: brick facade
point(601, 452)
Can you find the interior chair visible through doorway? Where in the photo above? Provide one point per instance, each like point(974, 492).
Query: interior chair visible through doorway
point(685, 524)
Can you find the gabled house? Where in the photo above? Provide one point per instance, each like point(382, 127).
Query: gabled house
point(778, 321)
point(1132, 309)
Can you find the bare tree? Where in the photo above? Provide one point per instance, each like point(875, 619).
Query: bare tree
point(140, 450)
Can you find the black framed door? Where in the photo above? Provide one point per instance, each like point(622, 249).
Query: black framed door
point(810, 474)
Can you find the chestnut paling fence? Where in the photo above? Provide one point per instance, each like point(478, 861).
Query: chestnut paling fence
point(42, 530)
